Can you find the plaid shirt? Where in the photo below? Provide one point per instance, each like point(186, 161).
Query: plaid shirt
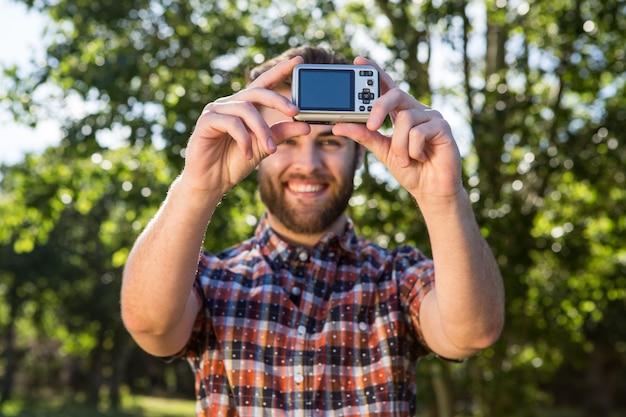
point(286, 331)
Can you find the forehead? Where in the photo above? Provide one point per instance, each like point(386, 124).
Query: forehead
point(273, 116)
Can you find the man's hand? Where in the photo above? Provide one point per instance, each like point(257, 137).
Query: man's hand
point(231, 137)
point(465, 312)
point(421, 153)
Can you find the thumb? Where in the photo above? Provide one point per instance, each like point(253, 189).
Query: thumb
point(374, 141)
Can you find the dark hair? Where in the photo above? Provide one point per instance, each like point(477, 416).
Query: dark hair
point(310, 54)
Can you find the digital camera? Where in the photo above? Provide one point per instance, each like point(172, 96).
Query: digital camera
point(331, 93)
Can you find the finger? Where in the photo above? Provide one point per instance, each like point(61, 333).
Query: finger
point(289, 129)
point(386, 82)
point(277, 74)
point(414, 130)
point(391, 103)
point(250, 118)
point(374, 141)
point(417, 144)
point(262, 97)
point(212, 125)
point(400, 138)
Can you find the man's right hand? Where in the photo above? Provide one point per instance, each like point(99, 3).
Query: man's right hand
point(231, 137)
point(158, 303)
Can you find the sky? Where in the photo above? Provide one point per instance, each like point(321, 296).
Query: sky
point(21, 34)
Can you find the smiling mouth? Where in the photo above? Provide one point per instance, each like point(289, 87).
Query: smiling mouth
point(305, 188)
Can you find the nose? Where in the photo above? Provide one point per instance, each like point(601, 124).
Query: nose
point(307, 158)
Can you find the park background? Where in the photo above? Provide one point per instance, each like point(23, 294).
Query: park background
point(535, 93)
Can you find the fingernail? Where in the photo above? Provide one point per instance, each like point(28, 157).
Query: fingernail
point(271, 145)
point(373, 123)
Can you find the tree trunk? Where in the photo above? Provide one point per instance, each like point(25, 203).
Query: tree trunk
point(10, 354)
point(121, 357)
point(95, 371)
point(442, 388)
point(600, 381)
point(11, 362)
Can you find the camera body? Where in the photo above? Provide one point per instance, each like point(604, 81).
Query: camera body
point(331, 93)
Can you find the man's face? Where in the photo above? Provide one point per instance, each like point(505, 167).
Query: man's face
point(307, 182)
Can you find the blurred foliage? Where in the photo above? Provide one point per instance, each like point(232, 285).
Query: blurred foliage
point(539, 87)
point(135, 406)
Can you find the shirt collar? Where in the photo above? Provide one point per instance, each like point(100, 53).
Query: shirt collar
point(280, 251)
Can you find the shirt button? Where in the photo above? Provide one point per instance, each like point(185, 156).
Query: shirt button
point(362, 326)
point(298, 378)
point(301, 330)
point(296, 291)
point(303, 256)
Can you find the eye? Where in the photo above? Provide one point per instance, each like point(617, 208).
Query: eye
point(332, 142)
point(288, 142)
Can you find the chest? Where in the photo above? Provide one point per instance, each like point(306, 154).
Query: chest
point(340, 312)
point(336, 342)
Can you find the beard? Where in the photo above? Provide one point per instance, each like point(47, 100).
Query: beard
point(313, 219)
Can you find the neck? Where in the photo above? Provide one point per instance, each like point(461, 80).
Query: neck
point(304, 239)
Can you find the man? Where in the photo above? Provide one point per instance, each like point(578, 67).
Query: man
point(305, 318)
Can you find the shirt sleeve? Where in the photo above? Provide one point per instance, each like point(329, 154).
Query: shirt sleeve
point(416, 277)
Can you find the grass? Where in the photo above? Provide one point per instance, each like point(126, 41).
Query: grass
point(132, 406)
point(164, 407)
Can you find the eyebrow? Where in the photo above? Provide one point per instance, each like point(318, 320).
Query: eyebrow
point(329, 133)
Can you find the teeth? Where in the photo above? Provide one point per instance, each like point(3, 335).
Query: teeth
point(305, 188)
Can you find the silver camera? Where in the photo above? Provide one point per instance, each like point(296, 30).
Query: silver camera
point(330, 93)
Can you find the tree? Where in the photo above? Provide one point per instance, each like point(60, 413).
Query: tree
point(543, 131)
point(540, 87)
point(67, 227)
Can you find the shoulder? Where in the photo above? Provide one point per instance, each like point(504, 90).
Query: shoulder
point(398, 257)
point(243, 253)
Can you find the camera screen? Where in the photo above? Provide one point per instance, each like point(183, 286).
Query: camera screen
point(331, 90)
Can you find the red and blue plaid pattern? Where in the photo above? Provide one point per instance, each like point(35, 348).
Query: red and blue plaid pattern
point(330, 331)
